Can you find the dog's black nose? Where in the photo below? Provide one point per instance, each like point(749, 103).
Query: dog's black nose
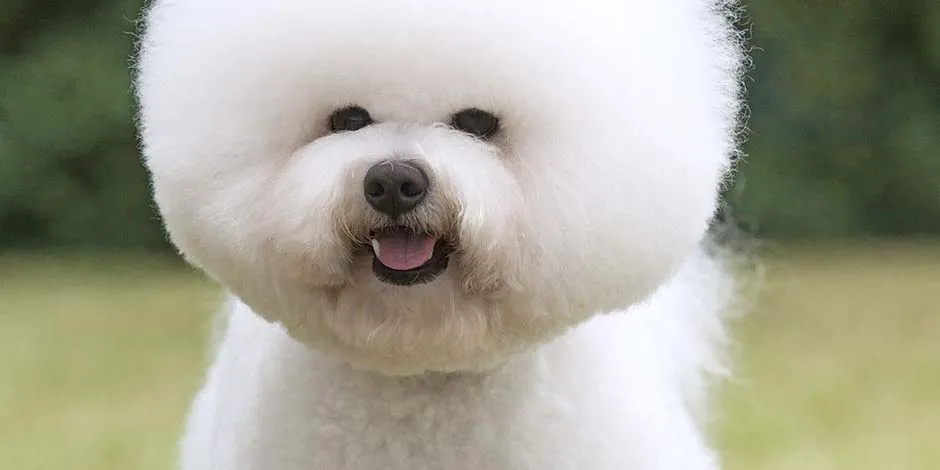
point(395, 187)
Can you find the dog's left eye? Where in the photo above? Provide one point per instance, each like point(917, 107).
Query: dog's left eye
point(477, 122)
point(352, 118)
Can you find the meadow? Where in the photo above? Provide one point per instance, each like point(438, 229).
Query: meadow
point(838, 364)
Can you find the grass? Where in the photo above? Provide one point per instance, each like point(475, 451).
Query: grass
point(839, 365)
point(97, 362)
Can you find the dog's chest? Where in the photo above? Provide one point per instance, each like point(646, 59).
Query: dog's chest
point(461, 423)
point(273, 405)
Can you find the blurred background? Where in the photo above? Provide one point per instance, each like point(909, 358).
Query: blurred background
point(103, 331)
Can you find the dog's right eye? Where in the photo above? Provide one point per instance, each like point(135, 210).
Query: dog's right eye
point(351, 118)
point(476, 122)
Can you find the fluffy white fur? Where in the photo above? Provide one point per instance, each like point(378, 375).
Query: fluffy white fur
point(580, 311)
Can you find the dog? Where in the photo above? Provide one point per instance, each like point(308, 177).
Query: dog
point(456, 235)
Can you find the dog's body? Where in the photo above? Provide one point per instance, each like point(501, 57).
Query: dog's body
point(424, 210)
point(623, 391)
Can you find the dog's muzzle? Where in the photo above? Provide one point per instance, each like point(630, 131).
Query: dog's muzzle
point(402, 256)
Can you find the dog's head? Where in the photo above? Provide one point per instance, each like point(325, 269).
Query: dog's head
point(433, 185)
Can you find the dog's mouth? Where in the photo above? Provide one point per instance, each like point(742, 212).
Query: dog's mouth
point(403, 257)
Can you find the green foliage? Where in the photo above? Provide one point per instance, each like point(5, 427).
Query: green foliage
point(845, 98)
point(845, 101)
point(69, 168)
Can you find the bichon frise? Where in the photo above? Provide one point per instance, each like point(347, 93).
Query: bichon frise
point(457, 235)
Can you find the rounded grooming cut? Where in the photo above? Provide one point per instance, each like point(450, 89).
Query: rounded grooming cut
point(454, 235)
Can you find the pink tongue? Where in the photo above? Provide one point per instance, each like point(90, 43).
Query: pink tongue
point(403, 251)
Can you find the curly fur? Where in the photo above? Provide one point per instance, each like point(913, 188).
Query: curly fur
point(581, 310)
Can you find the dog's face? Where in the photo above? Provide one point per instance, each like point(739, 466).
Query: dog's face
point(431, 185)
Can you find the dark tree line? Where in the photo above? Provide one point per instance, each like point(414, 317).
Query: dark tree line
point(844, 130)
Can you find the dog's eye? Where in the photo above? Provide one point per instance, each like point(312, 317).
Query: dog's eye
point(477, 122)
point(352, 118)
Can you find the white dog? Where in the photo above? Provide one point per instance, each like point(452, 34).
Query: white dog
point(457, 234)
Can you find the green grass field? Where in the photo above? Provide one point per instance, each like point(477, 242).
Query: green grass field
point(838, 366)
